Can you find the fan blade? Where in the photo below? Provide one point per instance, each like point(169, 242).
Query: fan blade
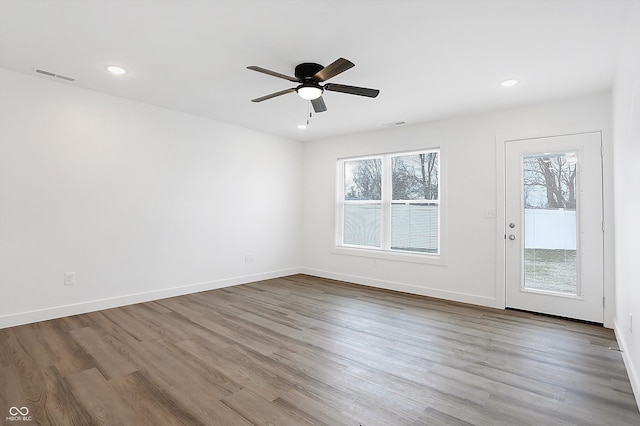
point(338, 66)
point(273, 73)
point(273, 95)
point(352, 90)
point(319, 105)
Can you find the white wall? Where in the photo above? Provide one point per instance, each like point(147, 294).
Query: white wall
point(140, 202)
point(471, 166)
point(626, 119)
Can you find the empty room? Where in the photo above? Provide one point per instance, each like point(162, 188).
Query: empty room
point(319, 212)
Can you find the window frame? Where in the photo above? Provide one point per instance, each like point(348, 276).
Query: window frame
point(386, 203)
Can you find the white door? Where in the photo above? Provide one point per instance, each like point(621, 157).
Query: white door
point(554, 226)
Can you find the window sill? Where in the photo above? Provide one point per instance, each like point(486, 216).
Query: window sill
point(428, 259)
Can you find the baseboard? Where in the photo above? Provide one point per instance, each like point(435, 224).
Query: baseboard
point(405, 288)
point(632, 372)
point(130, 299)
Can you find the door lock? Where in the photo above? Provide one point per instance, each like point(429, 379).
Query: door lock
point(512, 237)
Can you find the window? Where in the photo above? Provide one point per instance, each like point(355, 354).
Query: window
point(390, 202)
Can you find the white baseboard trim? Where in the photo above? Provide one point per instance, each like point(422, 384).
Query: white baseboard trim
point(405, 288)
point(628, 359)
point(28, 317)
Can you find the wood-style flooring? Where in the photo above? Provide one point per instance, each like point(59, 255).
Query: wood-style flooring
point(302, 350)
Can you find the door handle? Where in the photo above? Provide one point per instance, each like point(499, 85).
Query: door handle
point(512, 237)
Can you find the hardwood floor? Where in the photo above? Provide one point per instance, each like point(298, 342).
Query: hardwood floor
point(302, 350)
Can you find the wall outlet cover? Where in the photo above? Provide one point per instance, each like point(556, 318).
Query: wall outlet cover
point(69, 278)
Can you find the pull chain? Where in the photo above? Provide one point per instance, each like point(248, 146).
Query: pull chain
point(304, 126)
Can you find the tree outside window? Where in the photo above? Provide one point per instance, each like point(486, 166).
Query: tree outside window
point(550, 181)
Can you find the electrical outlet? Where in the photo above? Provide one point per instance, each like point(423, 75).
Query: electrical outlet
point(69, 278)
point(249, 258)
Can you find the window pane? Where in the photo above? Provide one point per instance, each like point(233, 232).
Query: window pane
point(414, 227)
point(415, 177)
point(550, 181)
point(362, 224)
point(363, 179)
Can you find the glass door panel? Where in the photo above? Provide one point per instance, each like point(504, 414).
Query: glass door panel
point(549, 188)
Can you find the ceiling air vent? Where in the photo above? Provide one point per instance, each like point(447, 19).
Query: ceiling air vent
point(395, 123)
point(52, 74)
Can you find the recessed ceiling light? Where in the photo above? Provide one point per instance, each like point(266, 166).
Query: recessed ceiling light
point(114, 69)
point(509, 83)
point(302, 126)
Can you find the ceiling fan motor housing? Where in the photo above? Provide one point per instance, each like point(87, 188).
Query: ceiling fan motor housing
point(307, 70)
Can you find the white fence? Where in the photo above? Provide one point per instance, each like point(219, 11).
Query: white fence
point(550, 229)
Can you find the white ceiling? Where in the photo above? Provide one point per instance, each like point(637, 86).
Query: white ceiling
point(431, 59)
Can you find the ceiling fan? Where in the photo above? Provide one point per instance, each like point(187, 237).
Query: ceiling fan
point(310, 75)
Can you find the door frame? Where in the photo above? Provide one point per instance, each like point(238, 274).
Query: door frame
point(607, 189)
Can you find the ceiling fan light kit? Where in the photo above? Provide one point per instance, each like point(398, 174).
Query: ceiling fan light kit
point(310, 75)
point(309, 91)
